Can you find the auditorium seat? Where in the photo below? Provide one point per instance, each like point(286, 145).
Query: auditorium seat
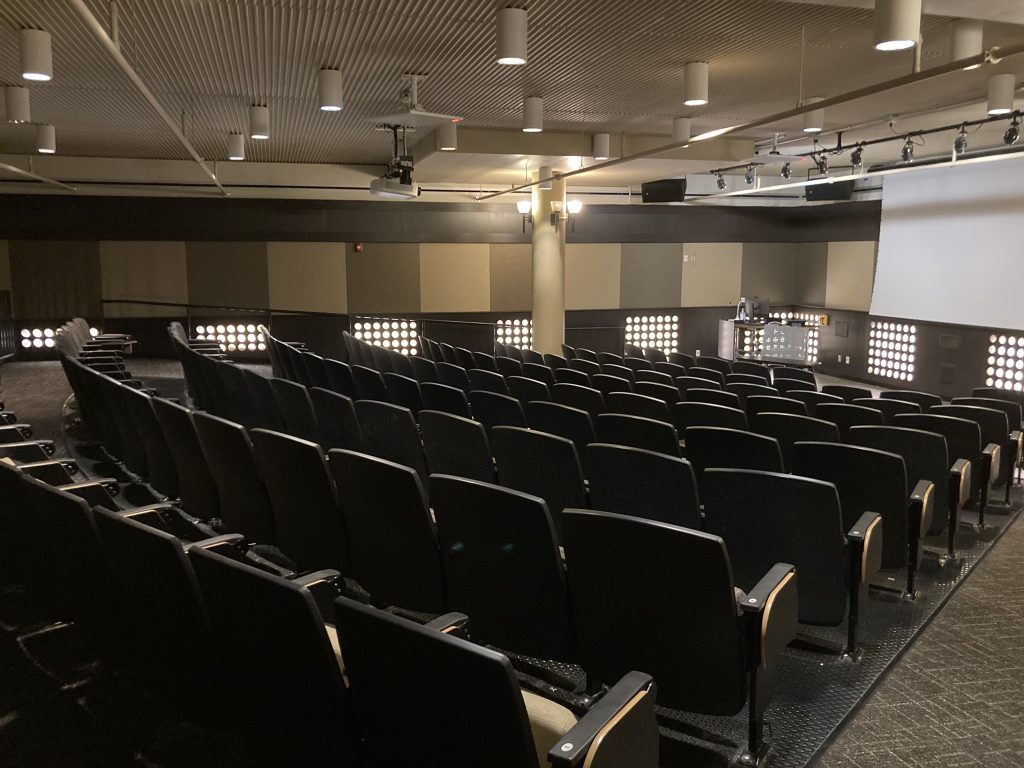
point(565, 421)
point(924, 399)
point(268, 414)
point(608, 358)
point(846, 416)
point(161, 473)
point(486, 381)
point(647, 484)
point(848, 393)
point(441, 397)
point(685, 383)
point(588, 367)
point(637, 405)
point(339, 378)
point(889, 407)
point(673, 370)
point(526, 390)
point(296, 408)
point(788, 386)
point(714, 396)
point(404, 391)
point(654, 376)
point(678, 358)
point(703, 372)
point(337, 424)
point(424, 370)
point(494, 410)
point(557, 361)
point(487, 362)
point(453, 376)
point(812, 399)
point(690, 414)
point(708, 447)
point(668, 394)
point(789, 429)
point(539, 372)
point(571, 376)
point(464, 358)
point(995, 429)
point(746, 378)
point(606, 384)
point(744, 367)
point(638, 432)
point(455, 445)
point(508, 366)
point(636, 364)
point(389, 432)
point(701, 654)
point(655, 355)
point(743, 391)
point(797, 374)
point(576, 396)
point(196, 487)
point(315, 370)
point(369, 383)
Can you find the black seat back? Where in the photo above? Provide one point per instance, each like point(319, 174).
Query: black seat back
point(340, 379)
point(308, 525)
point(745, 368)
point(502, 565)
point(562, 420)
point(637, 363)
point(848, 393)
point(771, 404)
point(995, 427)
point(196, 487)
point(487, 381)
point(812, 399)
point(788, 386)
point(264, 400)
point(1009, 407)
point(526, 390)
point(703, 372)
point(679, 358)
point(708, 447)
point(296, 408)
point(637, 405)
point(655, 377)
point(424, 370)
point(846, 416)
point(495, 410)
point(618, 371)
point(540, 464)
point(571, 376)
point(638, 432)
point(441, 397)
point(789, 429)
point(767, 517)
point(589, 367)
point(719, 364)
point(404, 391)
point(315, 370)
point(713, 396)
point(743, 391)
point(796, 374)
point(690, 414)
point(508, 366)
point(369, 383)
point(539, 372)
point(924, 399)
point(697, 654)
point(632, 481)
point(453, 376)
point(336, 420)
point(389, 432)
point(485, 361)
point(455, 445)
point(963, 439)
point(888, 407)
point(668, 394)
point(242, 499)
point(161, 471)
point(685, 383)
point(391, 534)
point(240, 405)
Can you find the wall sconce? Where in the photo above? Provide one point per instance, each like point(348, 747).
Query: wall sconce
point(556, 213)
point(525, 208)
point(573, 207)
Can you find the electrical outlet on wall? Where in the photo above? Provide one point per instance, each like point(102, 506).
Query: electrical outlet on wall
point(839, 358)
point(847, 359)
point(696, 353)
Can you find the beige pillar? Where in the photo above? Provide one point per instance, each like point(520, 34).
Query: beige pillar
point(548, 270)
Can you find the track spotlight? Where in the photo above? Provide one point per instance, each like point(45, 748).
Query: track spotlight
point(821, 161)
point(448, 136)
point(36, 55)
point(511, 34)
point(328, 82)
point(897, 24)
point(1000, 93)
point(1012, 133)
point(721, 182)
point(46, 139)
point(907, 153)
point(695, 80)
point(601, 146)
point(814, 120)
point(680, 129)
point(967, 40)
point(16, 100)
point(259, 122)
point(960, 144)
point(236, 146)
point(857, 156)
point(533, 114)
point(787, 171)
point(750, 176)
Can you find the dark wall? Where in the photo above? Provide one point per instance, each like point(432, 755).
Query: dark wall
point(71, 217)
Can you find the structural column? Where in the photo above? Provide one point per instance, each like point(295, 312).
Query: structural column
point(548, 269)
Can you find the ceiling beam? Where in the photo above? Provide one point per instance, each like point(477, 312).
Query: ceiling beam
point(30, 175)
point(115, 53)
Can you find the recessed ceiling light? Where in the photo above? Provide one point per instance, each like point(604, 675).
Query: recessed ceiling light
point(36, 55)
point(897, 24)
point(511, 33)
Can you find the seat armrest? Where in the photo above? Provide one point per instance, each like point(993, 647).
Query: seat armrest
point(922, 499)
point(865, 539)
point(94, 492)
point(135, 511)
point(227, 539)
point(310, 580)
point(26, 451)
point(960, 482)
point(51, 472)
point(772, 607)
point(622, 721)
point(990, 456)
point(449, 623)
point(1017, 440)
point(25, 430)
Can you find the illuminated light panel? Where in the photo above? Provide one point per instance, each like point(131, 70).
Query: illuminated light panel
point(812, 322)
point(653, 331)
point(38, 338)
point(515, 332)
point(1005, 362)
point(233, 337)
point(892, 349)
point(392, 333)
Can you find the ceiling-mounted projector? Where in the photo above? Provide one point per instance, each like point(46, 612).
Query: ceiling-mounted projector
point(412, 115)
point(394, 189)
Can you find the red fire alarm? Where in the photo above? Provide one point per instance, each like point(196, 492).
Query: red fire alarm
point(357, 247)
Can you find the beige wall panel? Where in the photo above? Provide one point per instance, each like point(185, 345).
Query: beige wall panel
point(851, 274)
point(308, 277)
point(511, 277)
point(651, 275)
point(711, 274)
point(384, 278)
point(810, 277)
point(769, 271)
point(455, 277)
point(149, 271)
point(592, 272)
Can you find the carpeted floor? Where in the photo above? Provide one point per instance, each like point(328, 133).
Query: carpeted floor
point(953, 699)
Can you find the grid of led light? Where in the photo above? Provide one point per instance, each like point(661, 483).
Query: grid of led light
point(891, 350)
point(812, 321)
point(232, 337)
point(518, 333)
point(38, 338)
point(1005, 362)
point(752, 341)
point(657, 331)
point(388, 332)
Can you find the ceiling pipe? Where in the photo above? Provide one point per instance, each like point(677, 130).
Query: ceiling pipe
point(991, 56)
point(36, 176)
point(101, 35)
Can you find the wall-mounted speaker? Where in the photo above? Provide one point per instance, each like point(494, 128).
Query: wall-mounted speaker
point(664, 191)
point(837, 190)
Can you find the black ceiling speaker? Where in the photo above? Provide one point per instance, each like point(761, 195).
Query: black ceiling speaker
point(664, 191)
point(837, 190)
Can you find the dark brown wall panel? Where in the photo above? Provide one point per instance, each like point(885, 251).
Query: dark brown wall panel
point(228, 274)
point(57, 279)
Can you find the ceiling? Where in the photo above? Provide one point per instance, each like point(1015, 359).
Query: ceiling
point(599, 64)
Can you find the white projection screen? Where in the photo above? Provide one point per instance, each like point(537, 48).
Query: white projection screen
point(951, 248)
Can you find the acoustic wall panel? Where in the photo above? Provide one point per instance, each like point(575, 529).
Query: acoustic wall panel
point(651, 275)
point(711, 274)
point(851, 274)
point(145, 271)
point(769, 271)
point(5, 267)
point(307, 277)
point(227, 274)
point(810, 274)
point(455, 277)
point(512, 277)
point(384, 278)
point(592, 275)
point(55, 279)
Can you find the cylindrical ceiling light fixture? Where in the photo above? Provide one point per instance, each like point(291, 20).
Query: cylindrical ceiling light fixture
point(544, 173)
point(259, 122)
point(46, 139)
point(814, 120)
point(1000, 94)
point(695, 80)
point(448, 136)
point(16, 101)
point(680, 129)
point(511, 33)
point(533, 114)
point(602, 143)
point(897, 24)
point(36, 55)
point(328, 83)
point(236, 146)
point(967, 40)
